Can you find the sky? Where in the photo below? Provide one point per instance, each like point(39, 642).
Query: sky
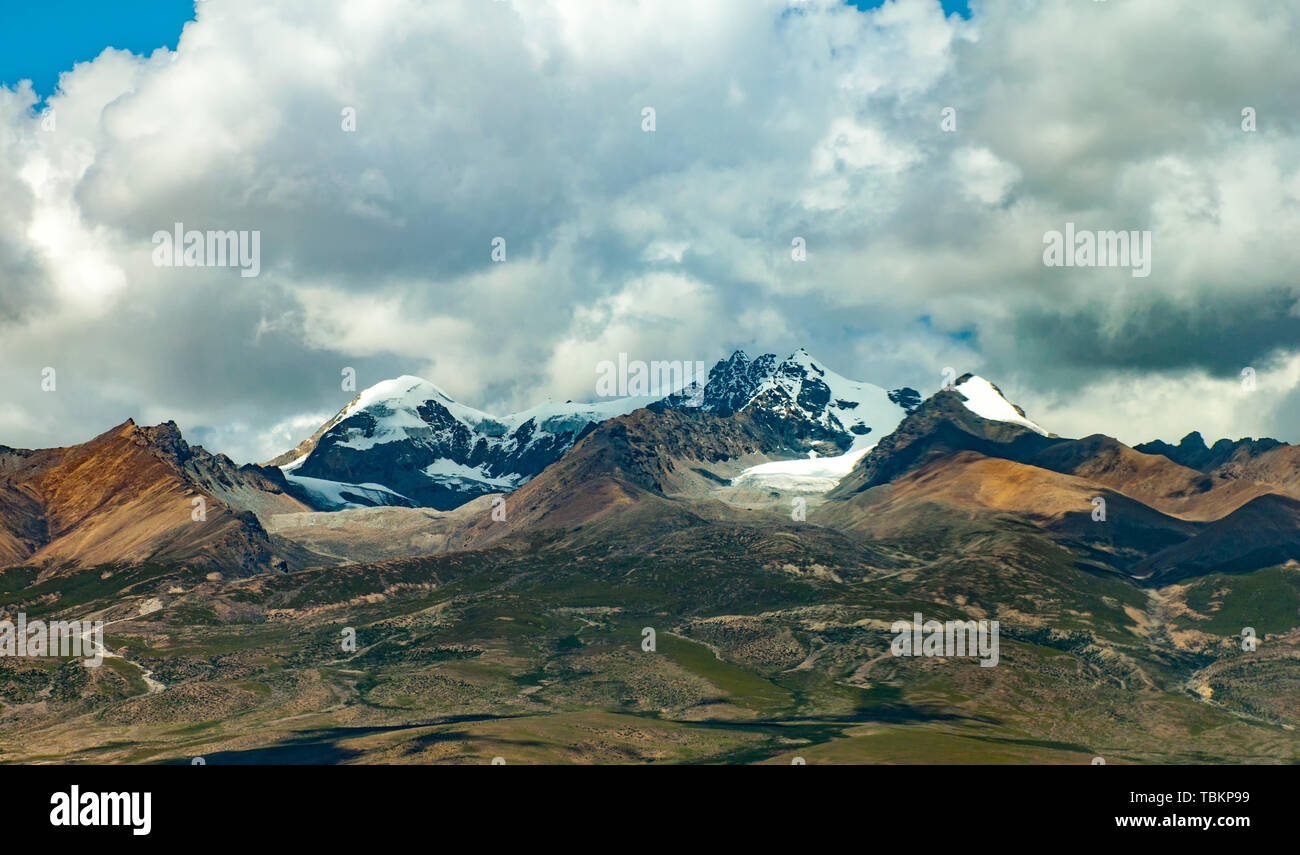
point(40, 40)
point(920, 153)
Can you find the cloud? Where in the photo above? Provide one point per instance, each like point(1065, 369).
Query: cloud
point(523, 121)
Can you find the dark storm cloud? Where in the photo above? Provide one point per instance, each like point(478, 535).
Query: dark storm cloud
point(1218, 333)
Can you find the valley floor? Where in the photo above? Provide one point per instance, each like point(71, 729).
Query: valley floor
point(767, 648)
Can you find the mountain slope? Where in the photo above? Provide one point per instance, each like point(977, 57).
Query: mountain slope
point(1150, 478)
point(946, 423)
point(639, 459)
point(967, 483)
point(128, 496)
point(1261, 533)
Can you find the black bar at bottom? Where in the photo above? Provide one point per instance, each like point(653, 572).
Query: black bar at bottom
point(641, 805)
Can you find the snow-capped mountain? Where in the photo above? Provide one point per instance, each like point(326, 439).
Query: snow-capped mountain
point(801, 398)
point(837, 420)
point(407, 442)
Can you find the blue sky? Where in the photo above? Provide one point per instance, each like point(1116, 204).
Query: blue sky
point(41, 39)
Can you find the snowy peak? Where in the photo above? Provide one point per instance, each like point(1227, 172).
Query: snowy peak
point(800, 396)
point(833, 419)
point(733, 382)
point(405, 441)
point(801, 388)
point(406, 391)
point(987, 401)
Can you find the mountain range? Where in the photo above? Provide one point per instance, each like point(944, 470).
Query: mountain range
point(758, 434)
point(771, 521)
point(406, 442)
